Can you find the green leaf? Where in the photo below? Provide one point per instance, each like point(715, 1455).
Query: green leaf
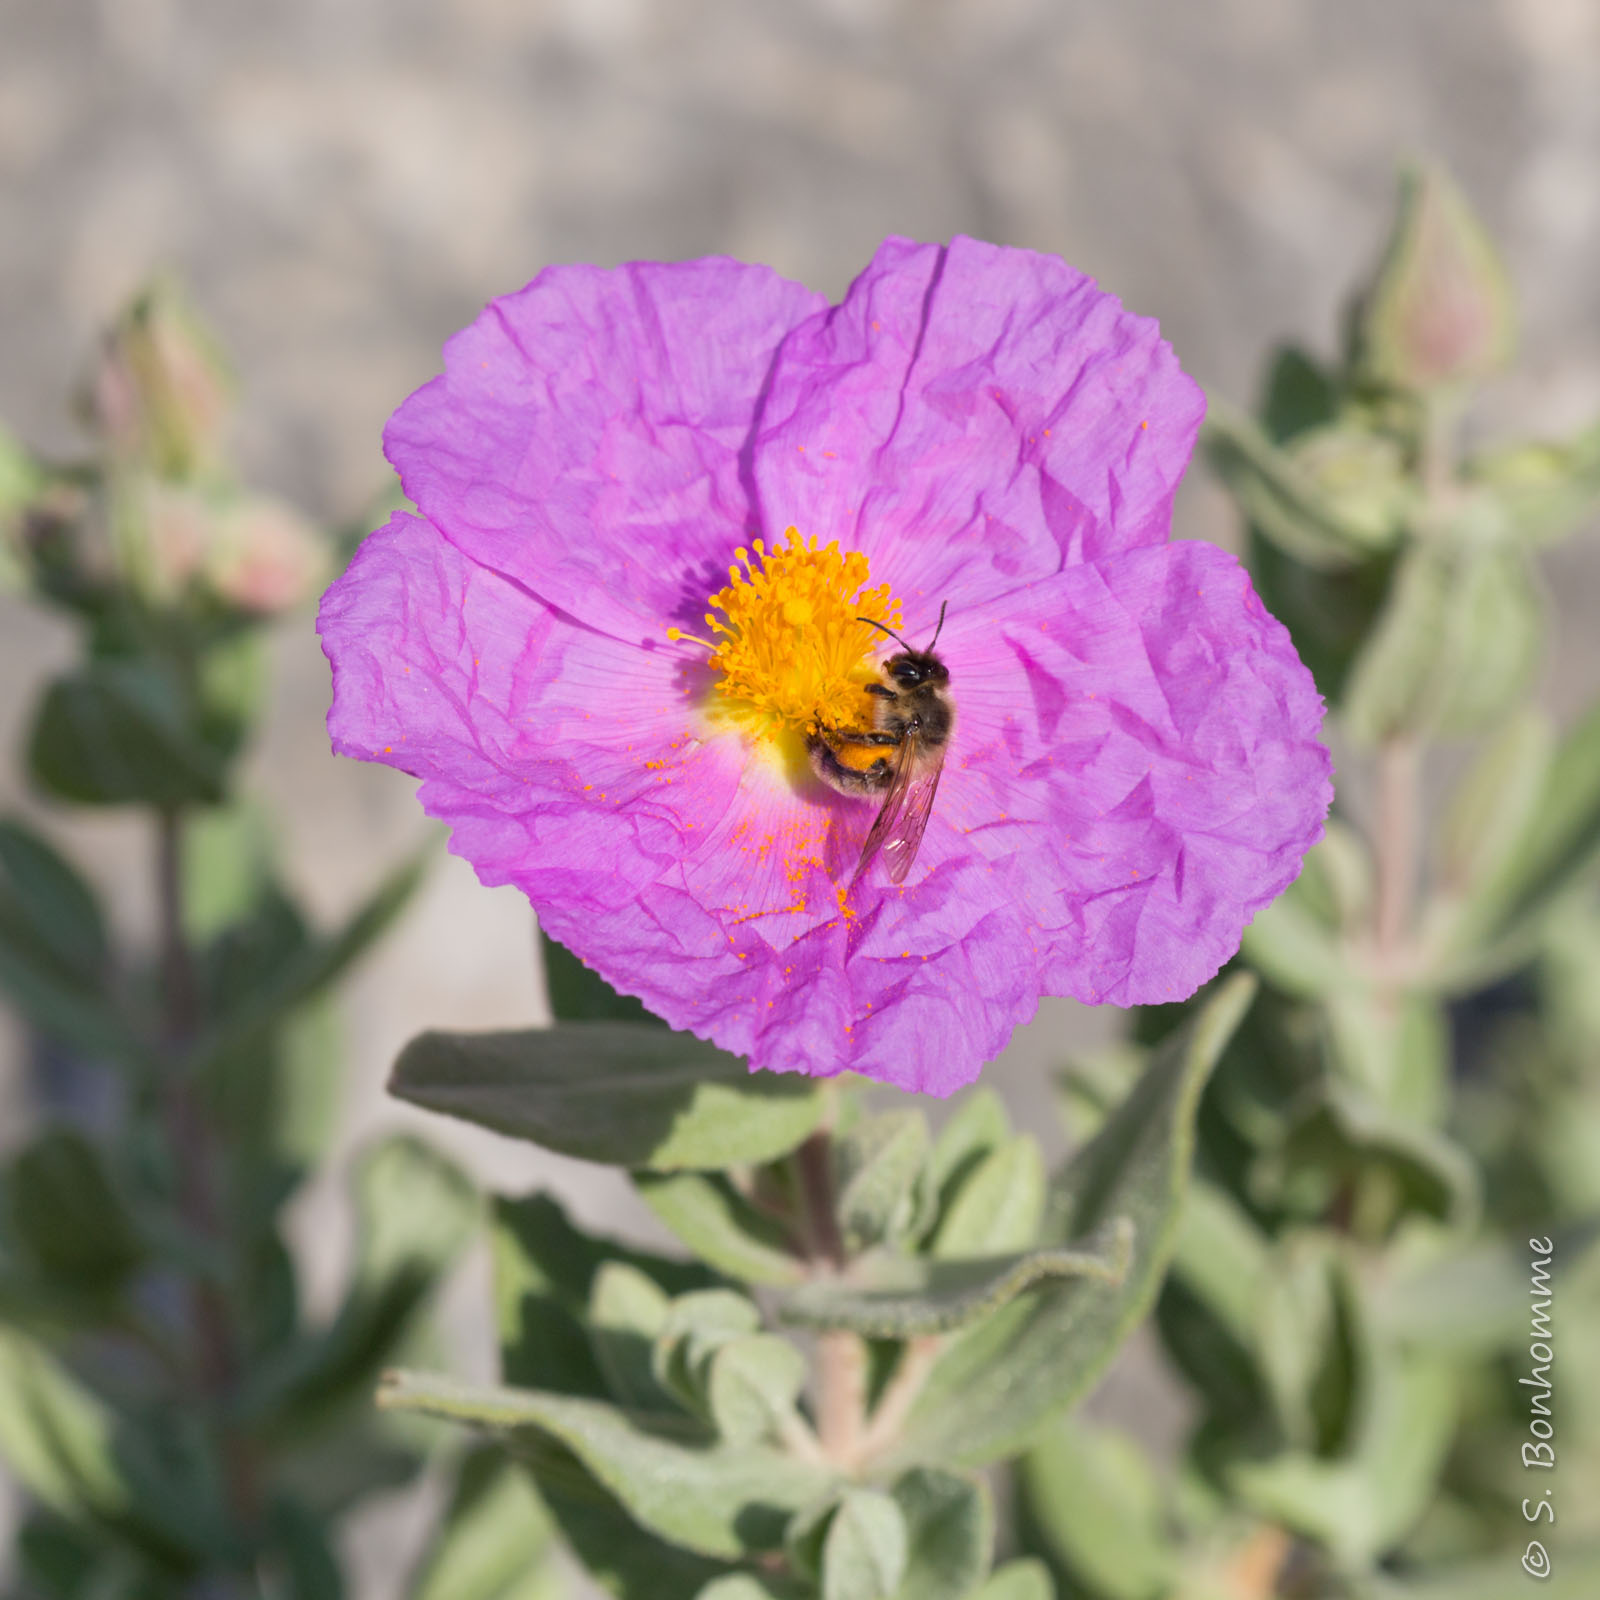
point(1393, 1052)
point(263, 1007)
point(1004, 1380)
point(299, 1548)
point(864, 1551)
point(743, 1586)
point(1222, 1257)
point(996, 1210)
point(1544, 490)
point(949, 1533)
point(121, 732)
point(670, 1475)
point(1299, 394)
point(1362, 1503)
point(1454, 647)
point(877, 1163)
point(1561, 841)
point(55, 903)
point(1019, 1580)
point(59, 1005)
point(56, 1437)
point(495, 1540)
point(544, 1276)
point(905, 1297)
point(416, 1212)
point(614, 1092)
point(697, 1325)
point(710, 1215)
point(577, 993)
point(54, 950)
point(1296, 950)
point(625, 1559)
point(1346, 1135)
point(66, 1215)
point(752, 1385)
point(1472, 1301)
point(978, 1125)
point(1301, 1337)
point(627, 1313)
point(1282, 499)
point(1094, 1505)
point(1496, 802)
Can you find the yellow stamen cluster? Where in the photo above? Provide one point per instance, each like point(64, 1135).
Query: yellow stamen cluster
point(791, 649)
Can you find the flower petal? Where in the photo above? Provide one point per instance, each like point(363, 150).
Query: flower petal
point(584, 438)
point(1134, 771)
point(972, 417)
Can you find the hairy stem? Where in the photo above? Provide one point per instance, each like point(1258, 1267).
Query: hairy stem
point(841, 1394)
point(841, 1364)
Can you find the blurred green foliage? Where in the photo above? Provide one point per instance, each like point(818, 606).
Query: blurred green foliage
point(1402, 1138)
point(178, 1423)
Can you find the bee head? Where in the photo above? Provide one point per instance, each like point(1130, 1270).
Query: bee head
point(913, 668)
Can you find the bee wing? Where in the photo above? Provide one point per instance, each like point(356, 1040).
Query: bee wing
point(903, 818)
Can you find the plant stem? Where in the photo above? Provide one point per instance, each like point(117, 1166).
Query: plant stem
point(178, 993)
point(194, 1160)
point(841, 1369)
point(1396, 839)
point(841, 1394)
point(814, 1163)
point(900, 1394)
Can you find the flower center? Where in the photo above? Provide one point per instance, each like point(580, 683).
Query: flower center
point(790, 644)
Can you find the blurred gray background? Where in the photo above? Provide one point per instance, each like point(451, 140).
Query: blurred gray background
point(345, 182)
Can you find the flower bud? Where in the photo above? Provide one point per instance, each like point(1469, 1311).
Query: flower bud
point(161, 392)
point(1440, 310)
point(264, 557)
point(159, 534)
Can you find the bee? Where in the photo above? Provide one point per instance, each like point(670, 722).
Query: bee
point(899, 757)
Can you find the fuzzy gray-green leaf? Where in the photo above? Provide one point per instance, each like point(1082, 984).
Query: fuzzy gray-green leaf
point(1010, 1374)
point(864, 1550)
point(1094, 1504)
point(905, 1297)
point(878, 1163)
point(997, 1208)
point(620, 1093)
point(716, 1222)
point(673, 1478)
point(949, 1533)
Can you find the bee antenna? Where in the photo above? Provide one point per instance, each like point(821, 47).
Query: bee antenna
point(890, 631)
point(943, 606)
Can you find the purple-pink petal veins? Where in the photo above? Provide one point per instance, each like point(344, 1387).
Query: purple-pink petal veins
point(1136, 766)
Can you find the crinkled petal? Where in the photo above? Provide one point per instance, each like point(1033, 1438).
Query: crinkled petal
point(1134, 771)
point(972, 417)
point(585, 436)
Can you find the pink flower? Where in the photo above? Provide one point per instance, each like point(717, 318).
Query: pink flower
point(1134, 768)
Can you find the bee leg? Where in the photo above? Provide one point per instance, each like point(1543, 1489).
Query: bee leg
point(847, 780)
point(880, 689)
point(864, 736)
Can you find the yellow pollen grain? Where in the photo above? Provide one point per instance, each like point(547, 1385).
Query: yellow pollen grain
point(788, 639)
